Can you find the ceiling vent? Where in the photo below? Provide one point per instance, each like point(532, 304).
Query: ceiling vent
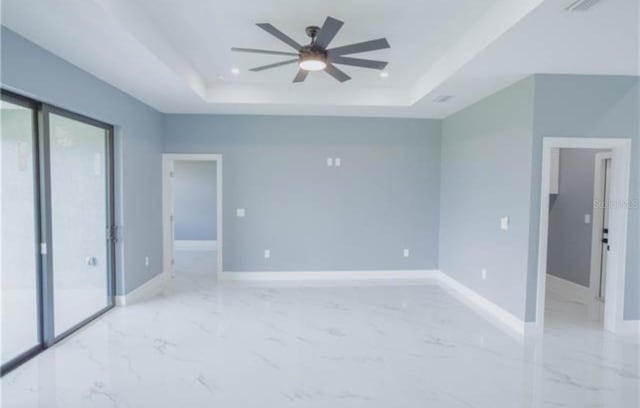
point(443, 98)
point(581, 5)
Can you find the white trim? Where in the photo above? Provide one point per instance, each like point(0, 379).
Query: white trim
point(167, 204)
point(195, 245)
point(596, 219)
point(487, 309)
point(484, 306)
point(618, 220)
point(145, 291)
point(569, 290)
point(329, 275)
point(630, 328)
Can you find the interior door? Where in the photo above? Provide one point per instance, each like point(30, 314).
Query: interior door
point(605, 230)
point(81, 250)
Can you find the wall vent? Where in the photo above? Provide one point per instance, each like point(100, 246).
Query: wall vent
point(581, 5)
point(442, 98)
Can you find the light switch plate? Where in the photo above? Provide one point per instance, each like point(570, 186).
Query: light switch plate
point(504, 223)
point(240, 212)
point(267, 253)
point(337, 161)
point(405, 253)
point(484, 274)
point(329, 162)
point(587, 218)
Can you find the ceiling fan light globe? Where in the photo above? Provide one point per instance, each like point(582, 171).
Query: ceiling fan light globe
point(313, 64)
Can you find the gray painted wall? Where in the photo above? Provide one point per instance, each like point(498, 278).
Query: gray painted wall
point(194, 200)
point(360, 216)
point(33, 71)
point(588, 106)
point(486, 170)
point(569, 249)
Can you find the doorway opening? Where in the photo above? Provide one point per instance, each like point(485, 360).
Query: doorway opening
point(583, 231)
point(192, 214)
point(577, 248)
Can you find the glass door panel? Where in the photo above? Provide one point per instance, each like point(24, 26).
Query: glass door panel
point(19, 240)
point(79, 165)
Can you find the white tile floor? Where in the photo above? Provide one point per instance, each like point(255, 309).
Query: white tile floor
point(203, 345)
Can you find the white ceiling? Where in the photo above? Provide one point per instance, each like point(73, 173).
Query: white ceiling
point(175, 55)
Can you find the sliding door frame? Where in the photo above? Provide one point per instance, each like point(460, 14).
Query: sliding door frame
point(50, 337)
point(35, 109)
point(44, 244)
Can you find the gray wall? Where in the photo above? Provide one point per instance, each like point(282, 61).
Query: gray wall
point(195, 201)
point(33, 71)
point(360, 216)
point(588, 106)
point(569, 247)
point(486, 171)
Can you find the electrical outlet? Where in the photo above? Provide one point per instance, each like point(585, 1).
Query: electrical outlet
point(484, 274)
point(504, 223)
point(337, 162)
point(267, 253)
point(329, 162)
point(405, 253)
point(240, 212)
point(146, 261)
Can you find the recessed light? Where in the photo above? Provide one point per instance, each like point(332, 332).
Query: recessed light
point(384, 74)
point(235, 71)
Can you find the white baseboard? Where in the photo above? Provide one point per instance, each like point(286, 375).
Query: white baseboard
point(629, 328)
point(145, 291)
point(329, 275)
point(569, 290)
point(483, 305)
point(195, 245)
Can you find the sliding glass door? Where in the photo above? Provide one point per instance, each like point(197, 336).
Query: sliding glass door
point(80, 250)
point(19, 254)
point(57, 222)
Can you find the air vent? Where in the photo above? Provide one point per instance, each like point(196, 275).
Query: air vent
point(443, 98)
point(581, 5)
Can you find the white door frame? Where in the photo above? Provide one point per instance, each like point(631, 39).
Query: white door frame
point(168, 160)
point(618, 220)
point(597, 216)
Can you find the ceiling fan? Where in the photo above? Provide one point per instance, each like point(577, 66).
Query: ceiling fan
point(315, 56)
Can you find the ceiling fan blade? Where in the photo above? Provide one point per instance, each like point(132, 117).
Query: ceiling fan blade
point(277, 64)
point(336, 73)
point(301, 76)
point(328, 31)
point(280, 35)
point(236, 49)
point(359, 62)
point(372, 45)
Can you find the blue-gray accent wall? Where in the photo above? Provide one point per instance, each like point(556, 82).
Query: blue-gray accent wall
point(486, 170)
point(360, 216)
point(195, 200)
point(35, 72)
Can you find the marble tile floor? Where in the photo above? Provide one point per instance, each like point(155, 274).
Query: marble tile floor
point(200, 344)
